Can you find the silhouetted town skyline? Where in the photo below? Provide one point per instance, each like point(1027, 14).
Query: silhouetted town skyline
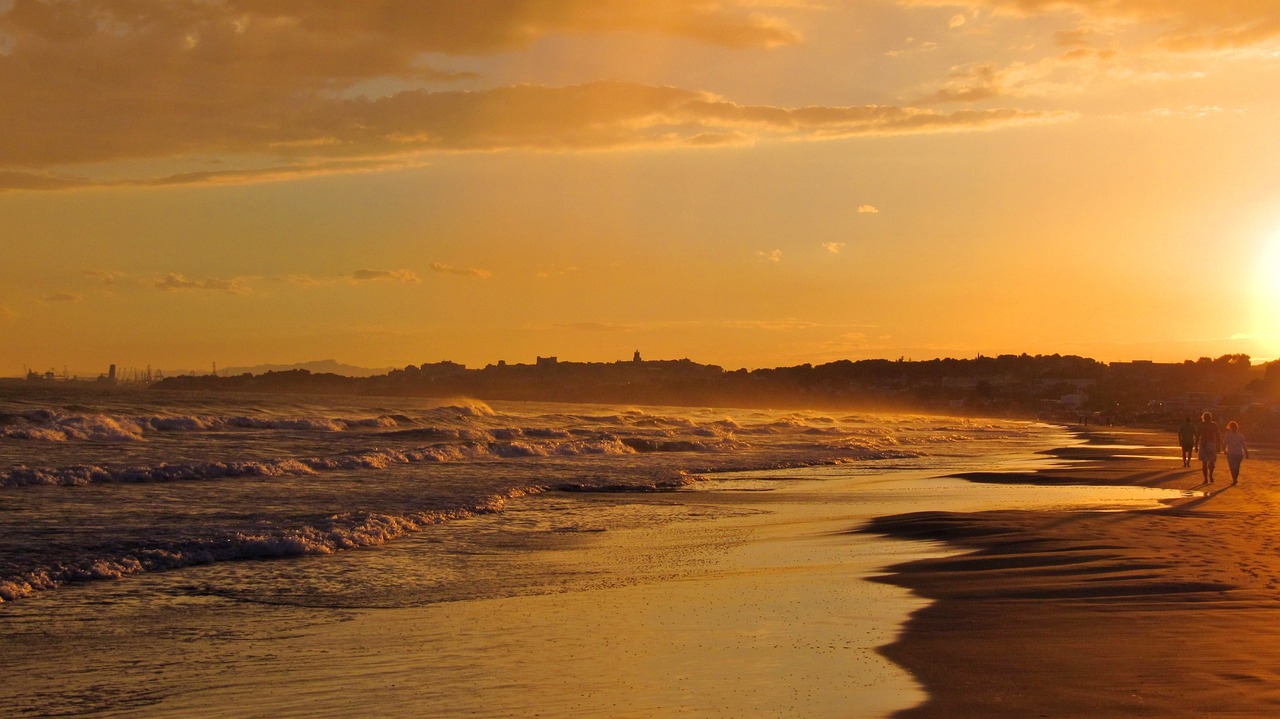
point(1055, 387)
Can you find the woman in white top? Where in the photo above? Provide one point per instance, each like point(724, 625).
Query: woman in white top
point(1237, 449)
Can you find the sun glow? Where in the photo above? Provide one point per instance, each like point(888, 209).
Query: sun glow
point(1267, 294)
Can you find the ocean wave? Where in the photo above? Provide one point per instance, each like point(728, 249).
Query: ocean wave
point(337, 533)
point(642, 444)
point(668, 484)
point(376, 458)
point(464, 409)
point(784, 425)
point(444, 433)
point(536, 432)
point(51, 426)
point(319, 424)
point(877, 453)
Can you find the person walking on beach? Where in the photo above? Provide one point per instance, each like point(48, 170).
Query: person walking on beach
point(1209, 440)
point(1187, 440)
point(1237, 449)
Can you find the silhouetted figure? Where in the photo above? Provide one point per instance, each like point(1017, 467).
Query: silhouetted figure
point(1209, 440)
point(1187, 440)
point(1237, 449)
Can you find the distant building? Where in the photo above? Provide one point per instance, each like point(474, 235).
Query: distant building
point(547, 361)
point(1073, 401)
point(636, 357)
point(109, 377)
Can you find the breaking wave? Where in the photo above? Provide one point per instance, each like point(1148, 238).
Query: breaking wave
point(337, 533)
point(51, 426)
point(376, 458)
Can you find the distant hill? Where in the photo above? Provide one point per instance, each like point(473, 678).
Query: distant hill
point(316, 367)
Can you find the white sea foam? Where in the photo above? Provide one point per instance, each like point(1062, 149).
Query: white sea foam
point(50, 426)
point(340, 532)
point(390, 459)
point(55, 427)
point(374, 458)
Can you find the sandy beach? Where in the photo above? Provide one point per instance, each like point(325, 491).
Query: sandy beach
point(1173, 612)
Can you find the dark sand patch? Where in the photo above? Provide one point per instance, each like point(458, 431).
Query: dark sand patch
point(1172, 612)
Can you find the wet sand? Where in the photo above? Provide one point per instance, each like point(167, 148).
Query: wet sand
point(1167, 613)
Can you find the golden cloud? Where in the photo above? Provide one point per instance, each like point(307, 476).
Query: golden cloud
point(363, 134)
point(462, 271)
point(38, 181)
point(174, 282)
point(102, 80)
point(487, 26)
point(266, 86)
point(405, 276)
point(106, 277)
point(1184, 25)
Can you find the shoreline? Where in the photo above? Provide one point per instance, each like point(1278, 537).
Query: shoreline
point(765, 606)
point(759, 618)
point(1169, 612)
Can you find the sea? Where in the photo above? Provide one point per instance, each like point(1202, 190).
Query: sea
point(138, 524)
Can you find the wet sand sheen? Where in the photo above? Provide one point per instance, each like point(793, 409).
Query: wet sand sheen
point(773, 622)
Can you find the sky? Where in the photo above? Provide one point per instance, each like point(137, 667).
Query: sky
point(749, 183)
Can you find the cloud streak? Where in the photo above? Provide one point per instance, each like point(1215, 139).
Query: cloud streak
point(461, 271)
point(361, 135)
point(1183, 25)
point(174, 282)
point(270, 88)
point(403, 276)
point(106, 277)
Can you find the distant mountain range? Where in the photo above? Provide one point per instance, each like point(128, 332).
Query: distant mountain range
point(316, 367)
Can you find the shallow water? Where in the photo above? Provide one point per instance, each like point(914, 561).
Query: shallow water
point(132, 529)
point(103, 485)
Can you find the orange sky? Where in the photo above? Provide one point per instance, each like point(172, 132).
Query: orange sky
point(749, 183)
